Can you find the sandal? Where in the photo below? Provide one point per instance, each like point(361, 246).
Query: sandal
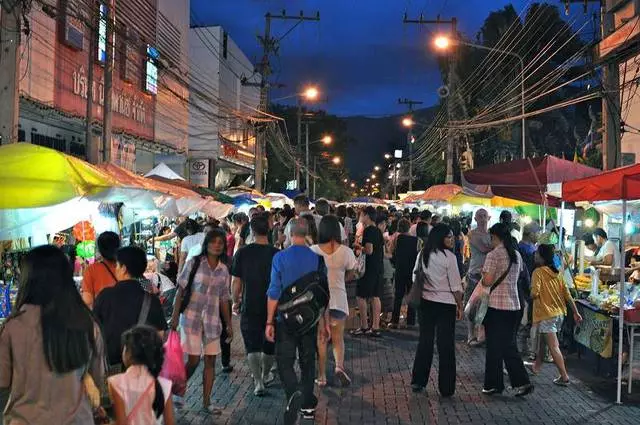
point(342, 376)
point(561, 382)
point(321, 383)
point(359, 331)
point(374, 333)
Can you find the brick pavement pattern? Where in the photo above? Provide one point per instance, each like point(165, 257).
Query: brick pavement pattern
point(381, 393)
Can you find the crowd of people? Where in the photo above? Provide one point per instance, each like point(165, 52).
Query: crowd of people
point(60, 340)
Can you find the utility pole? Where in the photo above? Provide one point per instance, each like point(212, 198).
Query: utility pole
point(451, 81)
point(410, 103)
point(315, 176)
point(306, 156)
point(611, 109)
point(10, 31)
point(270, 45)
point(107, 112)
point(296, 173)
point(93, 151)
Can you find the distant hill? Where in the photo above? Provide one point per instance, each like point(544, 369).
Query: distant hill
point(371, 138)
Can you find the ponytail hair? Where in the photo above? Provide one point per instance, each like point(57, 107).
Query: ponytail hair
point(502, 231)
point(145, 348)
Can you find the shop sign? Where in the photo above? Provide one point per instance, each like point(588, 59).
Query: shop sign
point(131, 107)
point(595, 332)
point(199, 172)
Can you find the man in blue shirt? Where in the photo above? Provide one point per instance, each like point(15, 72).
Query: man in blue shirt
point(287, 267)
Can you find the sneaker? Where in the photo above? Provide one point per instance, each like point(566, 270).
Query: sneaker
point(359, 332)
point(308, 413)
point(293, 408)
point(342, 376)
point(561, 382)
point(269, 378)
point(491, 391)
point(215, 411)
point(476, 343)
point(259, 390)
point(524, 390)
point(417, 388)
point(373, 333)
point(227, 369)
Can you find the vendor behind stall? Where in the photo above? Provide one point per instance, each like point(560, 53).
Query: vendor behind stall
point(608, 253)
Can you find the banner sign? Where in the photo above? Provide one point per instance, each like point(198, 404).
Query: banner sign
point(595, 331)
point(199, 172)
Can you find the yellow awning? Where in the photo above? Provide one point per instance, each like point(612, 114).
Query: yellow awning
point(33, 176)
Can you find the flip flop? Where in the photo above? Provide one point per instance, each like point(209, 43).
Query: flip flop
point(321, 383)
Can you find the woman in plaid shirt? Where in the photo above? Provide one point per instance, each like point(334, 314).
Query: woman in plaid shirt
point(201, 325)
point(500, 273)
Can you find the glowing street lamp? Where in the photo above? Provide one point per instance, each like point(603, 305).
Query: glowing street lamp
point(387, 156)
point(311, 93)
point(346, 180)
point(407, 122)
point(327, 140)
point(442, 42)
point(368, 180)
point(373, 176)
point(353, 185)
point(377, 168)
point(336, 160)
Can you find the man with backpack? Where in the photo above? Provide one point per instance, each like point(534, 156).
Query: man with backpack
point(295, 272)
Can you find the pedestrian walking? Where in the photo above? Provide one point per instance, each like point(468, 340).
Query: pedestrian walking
point(289, 266)
point(203, 296)
point(48, 345)
point(340, 261)
point(369, 287)
point(436, 269)
point(301, 203)
point(251, 273)
point(193, 239)
point(127, 304)
point(139, 395)
point(550, 298)
point(480, 245)
point(101, 274)
point(500, 272)
point(404, 260)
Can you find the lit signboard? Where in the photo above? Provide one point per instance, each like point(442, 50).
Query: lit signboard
point(102, 34)
point(151, 70)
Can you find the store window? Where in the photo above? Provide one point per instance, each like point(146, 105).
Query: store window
point(102, 34)
point(151, 70)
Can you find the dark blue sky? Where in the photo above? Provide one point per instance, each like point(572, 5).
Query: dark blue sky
point(360, 53)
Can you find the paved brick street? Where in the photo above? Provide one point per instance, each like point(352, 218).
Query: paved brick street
point(380, 394)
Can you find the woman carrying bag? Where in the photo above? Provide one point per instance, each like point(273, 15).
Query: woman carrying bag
point(436, 273)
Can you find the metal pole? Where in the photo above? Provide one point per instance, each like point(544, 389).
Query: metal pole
point(306, 157)
point(10, 31)
point(524, 146)
point(108, 85)
point(315, 160)
point(410, 143)
point(450, 111)
point(93, 151)
point(299, 144)
point(395, 180)
point(621, 306)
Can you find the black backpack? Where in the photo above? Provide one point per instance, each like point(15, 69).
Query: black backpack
point(186, 296)
point(301, 304)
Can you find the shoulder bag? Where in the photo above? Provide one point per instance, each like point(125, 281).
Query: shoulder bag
point(478, 304)
point(302, 303)
point(414, 297)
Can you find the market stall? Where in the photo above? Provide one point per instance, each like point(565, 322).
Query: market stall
point(618, 184)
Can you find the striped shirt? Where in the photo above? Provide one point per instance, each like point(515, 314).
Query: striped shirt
point(505, 296)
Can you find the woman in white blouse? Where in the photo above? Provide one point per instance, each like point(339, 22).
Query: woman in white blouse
point(340, 262)
point(436, 270)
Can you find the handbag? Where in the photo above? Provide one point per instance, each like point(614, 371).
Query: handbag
point(414, 296)
point(361, 266)
point(302, 303)
point(478, 304)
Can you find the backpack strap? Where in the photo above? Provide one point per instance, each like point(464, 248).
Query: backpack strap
point(109, 270)
point(144, 312)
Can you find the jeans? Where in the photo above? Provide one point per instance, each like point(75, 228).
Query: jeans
point(500, 328)
point(287, 345)
point(403, 285)
point(436, 318)
point(225, 356)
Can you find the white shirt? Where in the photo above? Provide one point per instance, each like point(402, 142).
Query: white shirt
point(338, 263)
point(609, 248)
point(317, 219)
point(137, 382)
point(443, 277)
point(192, 245)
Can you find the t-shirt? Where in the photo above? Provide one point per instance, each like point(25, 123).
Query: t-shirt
point(480, 243)
point(98, 276)
point(191, 241)
point(609, 248)
point(117, 310)
point(290, 265)
point(338, 263)
point(252, 264)
point(374, 262)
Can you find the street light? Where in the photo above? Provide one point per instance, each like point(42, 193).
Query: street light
point(327, 140)
point(353, 185)
point(346, 180)
point(443, 42)
point(407, 122)
point(387, 156)
point(311, 93)
point(373, 176)
point(336, 160)
point(376, 168)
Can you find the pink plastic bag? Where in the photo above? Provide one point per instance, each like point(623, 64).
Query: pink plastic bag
point(173, 367)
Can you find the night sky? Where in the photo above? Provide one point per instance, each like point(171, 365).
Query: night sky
point(360, 54)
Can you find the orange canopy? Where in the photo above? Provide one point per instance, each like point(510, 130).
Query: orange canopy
point(440, 192)
point(127, 178)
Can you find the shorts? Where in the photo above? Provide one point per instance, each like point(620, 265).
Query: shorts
point(550, 326)
point(370, 286)
point(337, 315)
point(253, 337)
point(197, 344)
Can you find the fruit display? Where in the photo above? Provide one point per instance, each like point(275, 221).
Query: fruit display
point(582, 283)
point(609, 299)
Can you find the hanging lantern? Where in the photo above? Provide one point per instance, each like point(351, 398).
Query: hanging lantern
point(84, 231)
point(86, 249)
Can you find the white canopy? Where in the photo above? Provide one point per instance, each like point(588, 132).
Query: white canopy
point(163, 170)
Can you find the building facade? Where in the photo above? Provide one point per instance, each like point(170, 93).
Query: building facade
point(223, 102)
point(54, 79)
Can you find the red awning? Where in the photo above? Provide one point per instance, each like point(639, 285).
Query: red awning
point(620, 183)
point(527, 179)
